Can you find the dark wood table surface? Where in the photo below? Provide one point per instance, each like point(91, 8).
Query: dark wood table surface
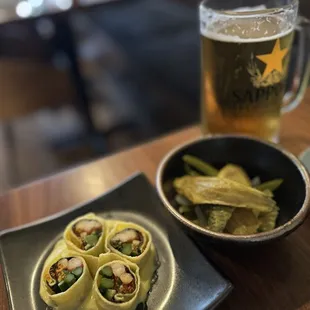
point(276, 276)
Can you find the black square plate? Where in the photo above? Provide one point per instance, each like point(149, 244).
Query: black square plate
point(186, 280)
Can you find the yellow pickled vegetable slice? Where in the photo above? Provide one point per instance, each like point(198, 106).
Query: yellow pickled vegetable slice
point(270, 185)
point(242, 222)
point(235, 173)
point(256, 213)
point(219, 191)
point(268, 220)
point(218, 217)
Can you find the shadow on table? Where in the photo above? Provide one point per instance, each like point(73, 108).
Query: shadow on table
point(253, 270)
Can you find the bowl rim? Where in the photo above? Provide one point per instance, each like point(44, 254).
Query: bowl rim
point(284, 229)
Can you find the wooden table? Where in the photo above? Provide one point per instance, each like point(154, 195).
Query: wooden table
point(274, 277)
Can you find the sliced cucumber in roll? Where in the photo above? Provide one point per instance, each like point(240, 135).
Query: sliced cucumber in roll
point(117, 285)
point(65, 283)
point(86, 236)
point(131, 242)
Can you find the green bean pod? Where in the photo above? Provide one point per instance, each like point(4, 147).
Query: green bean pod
point(200, 165)
point(270, 185)
point(188, 170)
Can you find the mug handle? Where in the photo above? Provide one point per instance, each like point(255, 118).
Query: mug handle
point(296, 92)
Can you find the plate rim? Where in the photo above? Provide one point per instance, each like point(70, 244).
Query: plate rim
point(75, 207)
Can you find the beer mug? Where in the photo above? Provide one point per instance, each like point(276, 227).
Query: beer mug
point(245, 55)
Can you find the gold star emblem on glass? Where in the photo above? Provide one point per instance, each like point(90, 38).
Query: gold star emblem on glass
point(246, 48)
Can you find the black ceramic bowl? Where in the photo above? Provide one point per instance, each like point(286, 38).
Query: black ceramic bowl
point(258, 158)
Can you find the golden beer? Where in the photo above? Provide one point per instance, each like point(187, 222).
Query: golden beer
point(244, 71)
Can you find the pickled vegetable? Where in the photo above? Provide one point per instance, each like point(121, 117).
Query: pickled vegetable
point(219, 191)
point(200, 165)
point(270, 185)
point(242, 222)
point(201, 216)
point(184, 209)
point(255, 181)
point(225, 200)
point(188, 170)
point(218, 217)
point(235, 173)
point(188, 213)
point(181, 200)
point(268, 220)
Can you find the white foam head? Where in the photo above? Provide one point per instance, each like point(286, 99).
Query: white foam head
point(257, 27)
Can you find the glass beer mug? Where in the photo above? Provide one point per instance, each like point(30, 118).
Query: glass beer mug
point(245, 54)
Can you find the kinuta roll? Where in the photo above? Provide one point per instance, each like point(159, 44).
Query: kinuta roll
point(131, 242)
point(86, 236)
point(117, 284)
point(65, 282)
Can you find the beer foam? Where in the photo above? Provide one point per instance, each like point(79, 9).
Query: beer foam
point(245, 28)
point(251, 8)
point(236, 39)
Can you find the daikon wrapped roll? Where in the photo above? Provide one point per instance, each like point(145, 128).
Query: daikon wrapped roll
point(65, 282)
point(86, 236)
point(131, 242)
point(117, 284)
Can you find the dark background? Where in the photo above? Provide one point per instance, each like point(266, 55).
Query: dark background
point(91, 82)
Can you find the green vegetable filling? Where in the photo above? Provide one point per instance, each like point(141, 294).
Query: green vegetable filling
point(77, 272)
point(126, 248)
point(63, 286)
point(109, 294)
point(106, 283)
point(106, 272)
point(65, 278)
point(91, 241)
